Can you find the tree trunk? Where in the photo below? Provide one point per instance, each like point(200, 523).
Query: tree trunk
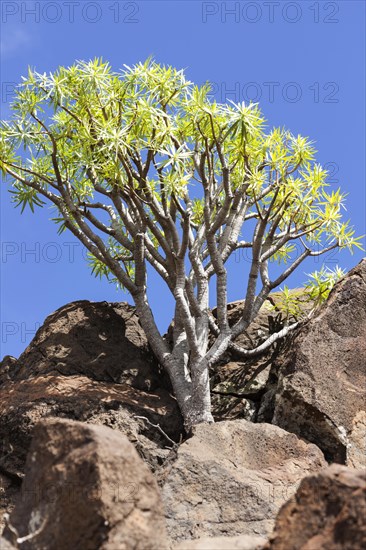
point(193, 396)
point(199, 410)
point(189, 378)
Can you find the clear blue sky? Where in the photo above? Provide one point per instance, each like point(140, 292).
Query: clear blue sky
point(303, 61)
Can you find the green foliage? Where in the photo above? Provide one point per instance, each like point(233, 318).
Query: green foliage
point(293, 305)
point(25, 196)
point(100, 270)
point(321, 283)
point(89, 129)
point(290, 304)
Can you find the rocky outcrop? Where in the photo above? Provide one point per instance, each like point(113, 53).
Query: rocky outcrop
point(66, 372)
point(6, 368)
point(91, 362)
point(232, 477)
point(326, 513)
point(243, 542)
point(320, 387)
point(85, 487)
point(313, 383)
point(24, 403)
point(9, 490)
point(237, 385)
point(101, 340)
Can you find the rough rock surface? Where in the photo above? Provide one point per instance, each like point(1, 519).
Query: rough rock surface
point(85, 487)
point(321, 388)
point(9, 490)
point(238, 385)
point(101, 340)
point(23, 403)
point(328, 512)
point(243, 542)
point(66, 372)
point(232, 477)
point(6, 367)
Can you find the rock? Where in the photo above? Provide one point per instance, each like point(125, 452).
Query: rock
point(68, 371)
point(321, 386)
point(85, 487)
point(327, 512)
point(238, 386)
point(23, 403)
point(6, 367)
point(9, 490)
point(243, 542)
point(227, 406)
point(232, 477)
point(103, 341)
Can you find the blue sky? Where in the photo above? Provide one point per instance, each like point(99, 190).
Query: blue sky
point(302, 61)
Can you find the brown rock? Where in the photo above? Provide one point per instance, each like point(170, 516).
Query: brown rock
point(85, 487)
point(232, 478)
point(267, 321)
point(9, 490)
point(321, 388)
point(68, 371)
point(103, 341)
point(23, 403)
point(6, 367)
point(243, 542)
point(328, 512)
point(238, 385)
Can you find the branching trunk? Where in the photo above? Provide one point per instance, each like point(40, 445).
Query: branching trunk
point(119, 172)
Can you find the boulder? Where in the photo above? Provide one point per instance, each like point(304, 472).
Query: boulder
point(243, 542)
point(85, 487)
point(320, 388)
point(328, 512)
point(101, 340)
point(237, 385)
point(88, 362)
point(23, 403)
point(232, 478)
